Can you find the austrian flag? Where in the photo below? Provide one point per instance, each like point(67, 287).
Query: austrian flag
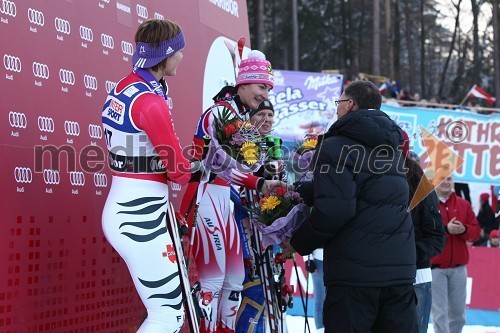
point(480, 93)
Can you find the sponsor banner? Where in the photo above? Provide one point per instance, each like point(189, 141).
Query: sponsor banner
point(228, 17)
point(304, 103)
point(474, 137)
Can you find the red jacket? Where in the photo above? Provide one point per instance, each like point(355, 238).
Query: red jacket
point(455, 251)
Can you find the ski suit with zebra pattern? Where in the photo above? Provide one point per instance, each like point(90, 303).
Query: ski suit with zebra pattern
point(137, 125)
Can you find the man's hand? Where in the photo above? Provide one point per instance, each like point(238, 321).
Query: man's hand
point(288, 249)
point(206, 305)
point(455, 227)
point(270, 185)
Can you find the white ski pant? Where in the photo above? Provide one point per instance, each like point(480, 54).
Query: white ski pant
point(134, 223)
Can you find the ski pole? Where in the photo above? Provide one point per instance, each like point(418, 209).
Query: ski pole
point(300, 291)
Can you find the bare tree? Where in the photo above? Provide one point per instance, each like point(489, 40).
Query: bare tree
point(452, 47)
point(389, 34)
point(295, 32)
point(496, 53)
point(260, 25)
point(475, 73)
point(409, 45)
point(376, 37)
point(422, 49)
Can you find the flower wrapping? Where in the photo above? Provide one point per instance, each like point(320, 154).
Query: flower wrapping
point(283, 228)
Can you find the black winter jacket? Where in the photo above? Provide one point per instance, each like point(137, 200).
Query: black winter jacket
point(360, 212)
point(429, 230)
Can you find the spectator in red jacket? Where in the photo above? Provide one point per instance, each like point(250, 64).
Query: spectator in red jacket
point(449, 272)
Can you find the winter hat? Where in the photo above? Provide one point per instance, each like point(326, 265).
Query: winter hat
point(494, 234)
point(484, 197)
point(264, 105)
point(147, 55)
point(255, 69)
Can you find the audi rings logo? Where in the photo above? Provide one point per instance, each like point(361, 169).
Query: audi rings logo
point(159, 16)
point(127, 48)
point(77, 178)
point(86, 33)
point(175, 187)
point(72, 128)
point(95, 131)
point(40, 70)
point(46, 124)
point(36, 17)
point(66, 76)
point(100, 180)
point(17, 119)
point(51, 177)
point(110, 85)
point(23, 175)
point(141, 11)
point(62, 25)
point(107, 41)
point(12, 63)
point(90, 82)
point(8, 8)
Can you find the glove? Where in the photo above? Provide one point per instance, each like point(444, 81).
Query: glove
point(205, 303)
point(311, 266)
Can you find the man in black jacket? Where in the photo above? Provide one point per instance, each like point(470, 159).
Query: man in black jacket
point(360, 215)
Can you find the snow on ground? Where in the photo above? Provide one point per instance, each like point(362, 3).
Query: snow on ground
point(296, 325)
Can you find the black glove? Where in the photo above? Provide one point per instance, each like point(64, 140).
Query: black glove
point(311, 266)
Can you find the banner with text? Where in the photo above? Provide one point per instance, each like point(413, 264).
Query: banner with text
point(474, 137)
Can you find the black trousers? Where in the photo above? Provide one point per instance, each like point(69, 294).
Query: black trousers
point(366, 309)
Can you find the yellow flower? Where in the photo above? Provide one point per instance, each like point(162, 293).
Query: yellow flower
point(310, 144)
point(249, 152)
point(270, 203)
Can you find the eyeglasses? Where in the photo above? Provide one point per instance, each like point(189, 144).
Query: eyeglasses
point(341, 100)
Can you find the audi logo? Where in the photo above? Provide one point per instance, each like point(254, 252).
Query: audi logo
point(100, 180)
point(66, 76)
point(86, 33)
point(62, 25)
point(51, 177)
point(110, 85)
point(90, 82)
point(23, 175)
point(36, 17)
point(95, 131)
point(17, 119)
point(159, 16)
point(127, 48)
point(72, 128)
point(40, 70)
point(46, 124)
point(12, 63)
point(141, 11)
point(175, 187)
point(77, 178)
point(107, 41)
point(8, 8)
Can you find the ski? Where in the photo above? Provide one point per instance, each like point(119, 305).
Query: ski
point(190, 292)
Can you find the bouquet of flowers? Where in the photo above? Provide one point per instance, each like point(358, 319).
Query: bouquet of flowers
point(239, 139)
point(303, 154)
point(278, 215)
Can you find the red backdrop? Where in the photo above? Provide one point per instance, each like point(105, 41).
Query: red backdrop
point(60, 57)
